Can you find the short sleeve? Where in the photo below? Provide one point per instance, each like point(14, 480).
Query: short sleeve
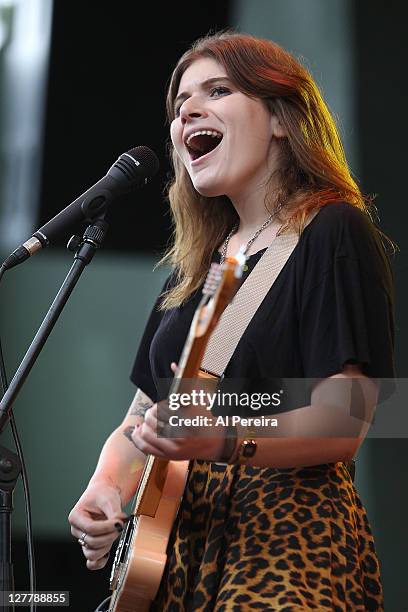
point(141, 373)
point(346, 304)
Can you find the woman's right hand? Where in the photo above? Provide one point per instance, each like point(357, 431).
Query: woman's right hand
point(98, 519)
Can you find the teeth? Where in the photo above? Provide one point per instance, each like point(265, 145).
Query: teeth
point(212, 133)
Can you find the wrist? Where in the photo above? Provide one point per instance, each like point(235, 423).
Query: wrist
point(245, 447)
point(105, 480)
point(230, 441)
point(245, 450)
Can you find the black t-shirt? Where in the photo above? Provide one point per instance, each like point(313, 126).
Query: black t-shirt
point(331, 304)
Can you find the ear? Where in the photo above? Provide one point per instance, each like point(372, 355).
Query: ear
point(277, 129)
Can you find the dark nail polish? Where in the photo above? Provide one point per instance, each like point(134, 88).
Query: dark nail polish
point(119, 527)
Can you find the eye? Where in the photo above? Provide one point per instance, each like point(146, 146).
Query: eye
point(214, 92)
point(220, 90)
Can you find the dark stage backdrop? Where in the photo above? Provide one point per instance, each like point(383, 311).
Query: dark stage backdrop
point(381, 52)
point(109, 69)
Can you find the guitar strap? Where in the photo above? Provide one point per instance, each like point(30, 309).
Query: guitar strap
point(238, 314)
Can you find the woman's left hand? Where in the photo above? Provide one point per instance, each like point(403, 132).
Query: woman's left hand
point(198, 443)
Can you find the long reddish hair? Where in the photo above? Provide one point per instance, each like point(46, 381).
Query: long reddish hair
point(313, 173)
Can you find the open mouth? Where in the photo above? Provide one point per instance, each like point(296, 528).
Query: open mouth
point(202, 142)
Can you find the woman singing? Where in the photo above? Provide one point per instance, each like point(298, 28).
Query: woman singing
point(255, 152)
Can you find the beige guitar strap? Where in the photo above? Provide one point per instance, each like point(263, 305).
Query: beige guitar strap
point(237, 315)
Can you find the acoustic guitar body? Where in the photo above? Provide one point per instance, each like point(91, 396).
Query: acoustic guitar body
point(142, 551)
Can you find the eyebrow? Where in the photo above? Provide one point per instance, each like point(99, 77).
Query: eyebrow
point(204, 85)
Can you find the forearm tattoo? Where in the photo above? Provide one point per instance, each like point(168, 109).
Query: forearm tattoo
point(127, 432)
point(140, 404)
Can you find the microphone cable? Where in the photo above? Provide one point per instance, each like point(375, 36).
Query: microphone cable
point(24, 478)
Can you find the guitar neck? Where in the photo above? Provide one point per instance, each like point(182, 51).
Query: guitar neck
point(155, 470)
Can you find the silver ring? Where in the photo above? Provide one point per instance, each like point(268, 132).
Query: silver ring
point(81, 540)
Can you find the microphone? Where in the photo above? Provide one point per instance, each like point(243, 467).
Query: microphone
point(129, 171)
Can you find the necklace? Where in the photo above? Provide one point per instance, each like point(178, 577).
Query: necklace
point(251, 240)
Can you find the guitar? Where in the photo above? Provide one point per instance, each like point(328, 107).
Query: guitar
point(140, 557)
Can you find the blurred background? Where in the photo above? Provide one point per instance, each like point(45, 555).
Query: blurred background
point(81, 83)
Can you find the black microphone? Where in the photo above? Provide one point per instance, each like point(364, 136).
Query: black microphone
point(129, 171)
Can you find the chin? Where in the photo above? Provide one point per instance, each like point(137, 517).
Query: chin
point(208, 190)
point(209, 193)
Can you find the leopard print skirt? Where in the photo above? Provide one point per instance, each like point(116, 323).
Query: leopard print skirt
point(249, 538)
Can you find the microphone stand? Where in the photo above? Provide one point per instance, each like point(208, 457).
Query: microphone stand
point(10, 467)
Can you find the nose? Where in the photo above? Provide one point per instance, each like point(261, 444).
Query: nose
point(191, 109)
